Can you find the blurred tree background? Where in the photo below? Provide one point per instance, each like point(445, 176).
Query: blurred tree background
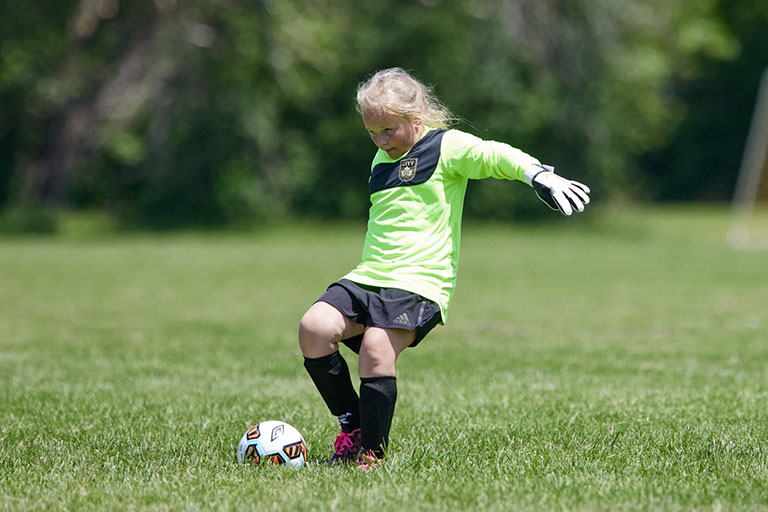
point(169, 113)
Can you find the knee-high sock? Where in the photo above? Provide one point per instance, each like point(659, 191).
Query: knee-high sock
point(377, 406)
point(331, 377)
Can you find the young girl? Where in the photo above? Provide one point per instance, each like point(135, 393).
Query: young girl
point(402, 288)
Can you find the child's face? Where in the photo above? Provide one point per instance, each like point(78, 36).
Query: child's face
point(392, 133)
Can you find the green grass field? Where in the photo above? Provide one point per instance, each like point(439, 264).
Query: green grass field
point(606, 362)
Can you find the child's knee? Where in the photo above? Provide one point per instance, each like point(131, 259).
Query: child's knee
point(320, 326)
point(377, 356)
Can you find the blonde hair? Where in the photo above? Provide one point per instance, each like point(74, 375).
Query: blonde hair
point(397, 92)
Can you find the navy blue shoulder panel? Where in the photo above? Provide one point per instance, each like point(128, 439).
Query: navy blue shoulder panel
point(416, 168)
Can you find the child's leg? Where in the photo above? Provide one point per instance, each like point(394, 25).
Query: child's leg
point(322, 328)
point(378, 383)
point(320, 331)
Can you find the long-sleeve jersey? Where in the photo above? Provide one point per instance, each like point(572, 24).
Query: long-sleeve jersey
point(414, 224)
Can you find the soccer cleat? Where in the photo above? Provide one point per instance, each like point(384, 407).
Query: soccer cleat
point(347, 447)
point(368, 460)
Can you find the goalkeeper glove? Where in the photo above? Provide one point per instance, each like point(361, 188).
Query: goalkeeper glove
point(557, 192)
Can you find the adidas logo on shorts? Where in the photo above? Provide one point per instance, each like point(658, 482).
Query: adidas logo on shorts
point(402, 319)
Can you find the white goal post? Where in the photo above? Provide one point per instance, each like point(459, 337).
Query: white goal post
point(748, 227)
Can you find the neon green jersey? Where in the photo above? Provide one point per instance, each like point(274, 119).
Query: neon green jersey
point(414, 224)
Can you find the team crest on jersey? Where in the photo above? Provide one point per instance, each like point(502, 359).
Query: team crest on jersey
point(407, 170)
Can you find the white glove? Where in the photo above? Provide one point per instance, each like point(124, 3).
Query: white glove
point(557, 192)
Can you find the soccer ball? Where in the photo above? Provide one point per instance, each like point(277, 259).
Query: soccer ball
point(275, 442)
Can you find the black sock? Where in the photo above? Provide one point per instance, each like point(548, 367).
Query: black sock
point(377, 406)
point(331, 377)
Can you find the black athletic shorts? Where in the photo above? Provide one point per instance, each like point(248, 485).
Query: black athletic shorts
point(389, 308)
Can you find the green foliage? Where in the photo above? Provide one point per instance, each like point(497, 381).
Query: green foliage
point(622, 369)
point(702, 156)
point(174, 113)
point(23, 220)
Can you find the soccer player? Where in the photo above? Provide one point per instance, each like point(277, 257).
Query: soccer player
point(403, 286)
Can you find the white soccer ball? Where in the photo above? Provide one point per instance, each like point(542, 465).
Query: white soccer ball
point(274, 442)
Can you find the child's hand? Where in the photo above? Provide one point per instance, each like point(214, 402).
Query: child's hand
point(559, 193)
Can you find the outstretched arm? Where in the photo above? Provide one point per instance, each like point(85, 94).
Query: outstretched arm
point(475, 158)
